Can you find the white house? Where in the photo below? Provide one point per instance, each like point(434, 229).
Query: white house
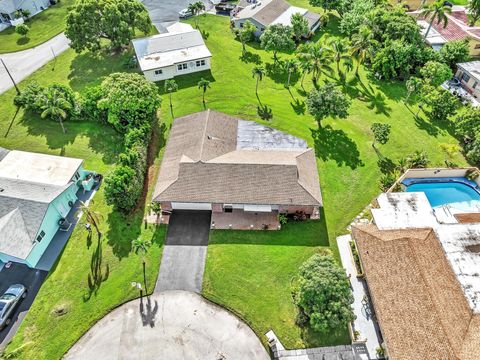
point(269, 12)
point(8, 9)
point(177, 52)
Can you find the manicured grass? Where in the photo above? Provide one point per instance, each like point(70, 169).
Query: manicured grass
point(251, 272)
point(45, 334)
point(43, 27)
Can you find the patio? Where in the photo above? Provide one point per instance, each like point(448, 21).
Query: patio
point(243, 220)
point(456, 89)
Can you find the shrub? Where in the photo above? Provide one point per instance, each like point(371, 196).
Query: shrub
point(22, 30)
point(323, 294)
point(123, 188)
point(418, 159)
point(90, 110)
point(387, 180)
point(282, 218)
point(28, 98)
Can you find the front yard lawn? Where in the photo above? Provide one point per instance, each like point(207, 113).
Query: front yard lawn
point(66, 306)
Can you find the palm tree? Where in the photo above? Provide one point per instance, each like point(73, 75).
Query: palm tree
point(305, 66)
point(292, 67)
point(319, 56)
point(204, 84)
point(340, 53)
point(91, 216)
point(170, 87)
point(361, 46)
point(142, 246)
point(437, 10)
point(258, 72)
point(195, 8)
point(55, 106)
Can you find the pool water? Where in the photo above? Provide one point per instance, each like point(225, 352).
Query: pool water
point(456, 194)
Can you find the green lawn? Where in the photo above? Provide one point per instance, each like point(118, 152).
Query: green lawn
point(251, 272)
point(44, 334)
point(43, 27)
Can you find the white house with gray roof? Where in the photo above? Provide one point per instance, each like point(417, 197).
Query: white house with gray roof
point(37, 191)
point(178, 52)
point(8, 9)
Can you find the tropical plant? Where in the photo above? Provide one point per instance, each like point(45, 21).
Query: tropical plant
point(277, 38)
point(22, 29)
point(156, 208)
point(437, 10)
point(467, 127)
point(91, 216)
point(473, 11)
point(299, 25)
point(361, 46)
point(170, 87)
point(418, 159)
point(381, 133)
point(306, 67)
point(291, 67)
point(54, 106)
point(327, 101)
point(196, 8)
point(246, 33)
point(436, 73)
point(318, 55)
point(141, 245)
point(413, 85)
point(204, 84)
point(257, 73)
point(454, 52)
point(340, 53)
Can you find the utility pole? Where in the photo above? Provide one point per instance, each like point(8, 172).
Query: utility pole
point(11, 78)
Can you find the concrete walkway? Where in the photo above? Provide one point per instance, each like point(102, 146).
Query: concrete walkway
point(23, 63)
point(364, 323)
point(171, 325)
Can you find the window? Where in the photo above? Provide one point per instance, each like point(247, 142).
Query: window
point(475, 84)
point(76, 176)
point(181, 67)
point(241, 25)
point(228, 208)
point(477, 46)
point(262, 29)
point(41, 236)
point(200, 63)
point(465, 77)
point(158, 72)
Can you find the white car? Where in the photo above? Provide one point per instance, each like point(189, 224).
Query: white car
point(9, 302)
point(185, 13)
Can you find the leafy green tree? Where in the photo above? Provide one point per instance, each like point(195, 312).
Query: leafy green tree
point(277, 38)
point(441, 103)
point(327, 101)
point(340, 6)
point(204, 84)
point(246, 34)
point(436, 73)
point(196, 8)
point(306, 67)
point(258, 72)
point(123, 188)
point(381, 133)
point(300, 26)
point(355, 16)
point(129, 100)
point(418, 160)
point(437, 10)
point(22, 29)
point(340, 53)
point(467, 127)
point(361, 46)
point(318, 55)
point(54, 106)
point(291, 67)
point(141, 246)
point(323, 294)
point(170, 87)
point(91, 21)
point(473, 11)
point(454, 52)
point(396, 60)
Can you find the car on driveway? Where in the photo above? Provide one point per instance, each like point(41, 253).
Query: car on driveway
point(184, 14)
point(9, 302)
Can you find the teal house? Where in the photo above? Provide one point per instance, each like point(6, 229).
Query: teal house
point(37, 192)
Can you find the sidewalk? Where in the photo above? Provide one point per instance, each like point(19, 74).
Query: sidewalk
point(23, 63)
point(364, 322)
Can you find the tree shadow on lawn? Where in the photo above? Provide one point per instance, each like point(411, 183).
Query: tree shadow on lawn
point(278, 73)
point(301, 233)
point(102, 138)
point(23, 40)
point(251, 58)
point(312, 338)
point(188, 80)
point(334, 144)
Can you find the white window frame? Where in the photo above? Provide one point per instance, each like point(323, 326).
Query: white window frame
point(158, 72)
point(200, 63)
point(181, 67)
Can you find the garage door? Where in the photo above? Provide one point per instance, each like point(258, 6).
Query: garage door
point(191, 206)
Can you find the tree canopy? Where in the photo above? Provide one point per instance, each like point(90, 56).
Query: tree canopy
point(246, 33)
point(454, 52)
point(91, 21)
point(467, 127)
point(381, 133)
point(277, 38)
point(436, 73)
point(327, 101)
point(300, 26)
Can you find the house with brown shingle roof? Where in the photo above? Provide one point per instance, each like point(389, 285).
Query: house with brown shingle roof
point(244, 172)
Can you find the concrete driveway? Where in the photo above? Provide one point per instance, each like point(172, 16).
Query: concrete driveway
point(171, 325)
point(185, 251)
point(165, 12)
point(23, 63)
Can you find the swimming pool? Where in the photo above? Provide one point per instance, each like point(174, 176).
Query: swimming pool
point(460, 193)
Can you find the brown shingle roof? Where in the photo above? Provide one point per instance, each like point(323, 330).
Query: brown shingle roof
point(271, 11)
point(420, 306)
point(202, 164)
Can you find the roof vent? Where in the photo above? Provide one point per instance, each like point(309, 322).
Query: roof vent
point(2, 189)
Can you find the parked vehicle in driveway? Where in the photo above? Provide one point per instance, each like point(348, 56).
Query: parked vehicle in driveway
point(9, 302)
point(185, 13)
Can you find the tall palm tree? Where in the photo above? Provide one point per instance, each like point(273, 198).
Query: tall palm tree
point(195, 8)
point(340, 53)
point(140, 245)
point(291, 67)
point(437, 10)
point(305, 66)
point(258, 72)
point(170, 87)
point(91, 216)
point(361, 46)
point(55, 106)
point(204, 84)
point(319, 56)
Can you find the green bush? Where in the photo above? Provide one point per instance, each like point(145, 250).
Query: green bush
point(123, 188)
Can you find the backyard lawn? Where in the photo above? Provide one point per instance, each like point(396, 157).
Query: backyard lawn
point(66, 306)
point(43, 27)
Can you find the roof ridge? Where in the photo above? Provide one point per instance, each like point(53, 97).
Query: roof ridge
point(204, 135)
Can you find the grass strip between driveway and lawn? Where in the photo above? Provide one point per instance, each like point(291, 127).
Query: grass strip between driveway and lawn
point(248, 272)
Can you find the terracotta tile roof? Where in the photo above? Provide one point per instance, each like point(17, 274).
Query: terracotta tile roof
point(420, 306)
point(202, 163)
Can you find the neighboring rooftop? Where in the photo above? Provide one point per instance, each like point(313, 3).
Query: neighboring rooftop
point(472, 67)
point(419, 303)
point(180, 45)
point(213, 157)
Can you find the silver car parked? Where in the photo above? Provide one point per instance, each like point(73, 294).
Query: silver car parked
point(9, 302)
